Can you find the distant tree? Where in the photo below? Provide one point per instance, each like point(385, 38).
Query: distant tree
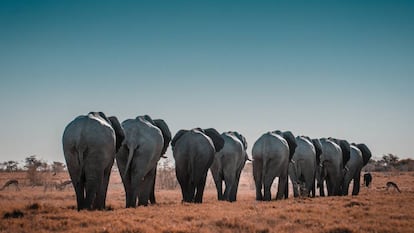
point(58, 167)
point(33, 165)
point(389, 160)
point(10, 166)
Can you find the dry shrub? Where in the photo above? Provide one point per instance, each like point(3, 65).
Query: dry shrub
point(339, 230)
point(34, 206)
point(13, 214)
point(166, 178)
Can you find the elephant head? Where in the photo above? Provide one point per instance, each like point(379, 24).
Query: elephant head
point(119, 132)
point(240, 137)
point(218, 141)
point(290, 138)
point(318, 149)
point(166, 134)
point(345, 147)
point(366, 153)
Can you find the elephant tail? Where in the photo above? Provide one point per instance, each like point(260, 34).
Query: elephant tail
point(130, 155)
point(81, 164)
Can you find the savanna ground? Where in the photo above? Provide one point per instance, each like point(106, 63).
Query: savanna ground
point(51, 210)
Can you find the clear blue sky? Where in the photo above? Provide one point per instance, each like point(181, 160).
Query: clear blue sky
point(320, 68)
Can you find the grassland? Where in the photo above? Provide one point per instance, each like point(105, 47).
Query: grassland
point(374, 210)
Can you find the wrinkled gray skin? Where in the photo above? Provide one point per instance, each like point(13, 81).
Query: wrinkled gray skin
point(330, 168)
point(270, 160)
point(302, 168)
point(352, 171)
point(228, 164)
point(137, 159)
point(193, 153)
point(89, 146)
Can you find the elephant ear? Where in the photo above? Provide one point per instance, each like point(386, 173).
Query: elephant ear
point(119, 131)
point(147, 118)
point(177, 136)
point(366, 153)
point(166, 134)
point(291, 140)
point(345, 148)
point(100, 115)
point(346, 151)
point(318, 149)
point(218, 141)
point(241, 138)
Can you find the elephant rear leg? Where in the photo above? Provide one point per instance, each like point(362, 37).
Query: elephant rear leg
point(257, 176)
point(281, 188)
point(187, 187)
point(218, 181)
point(93, 185)
point(200, 189)
point(357, 183)
point(146, 187)
point(80, 194)
point(152, 193)
point(101, 195)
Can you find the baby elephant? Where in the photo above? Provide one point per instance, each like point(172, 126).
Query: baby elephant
point(367, 179)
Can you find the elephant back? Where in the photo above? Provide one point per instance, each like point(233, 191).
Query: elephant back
point(366, 153)
point(218, 141)
point(177, 136)
point(166, 134)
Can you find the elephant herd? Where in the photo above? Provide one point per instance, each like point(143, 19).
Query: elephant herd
point(92, 142)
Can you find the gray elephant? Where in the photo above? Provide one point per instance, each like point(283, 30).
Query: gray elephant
point(89, 145)
point(302, 168)
point(228, 164)
point(271, 155)
point(330, 168)
point(146, 140)
point(359, 157)
point(193, 152)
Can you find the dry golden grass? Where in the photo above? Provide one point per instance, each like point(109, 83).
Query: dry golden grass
point(374, 210)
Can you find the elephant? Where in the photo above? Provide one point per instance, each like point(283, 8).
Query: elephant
point(146, 140)
point(193, 152)
point(367, 179)
point(330, 168)
point(302, 168)
point(271, 155)
point(359, 157)
point(228, 164)
point(90, 143)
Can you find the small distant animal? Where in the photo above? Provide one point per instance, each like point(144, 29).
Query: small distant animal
point(11, 182)
point(391, 184)
point(367, 179)
point(63, 184)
